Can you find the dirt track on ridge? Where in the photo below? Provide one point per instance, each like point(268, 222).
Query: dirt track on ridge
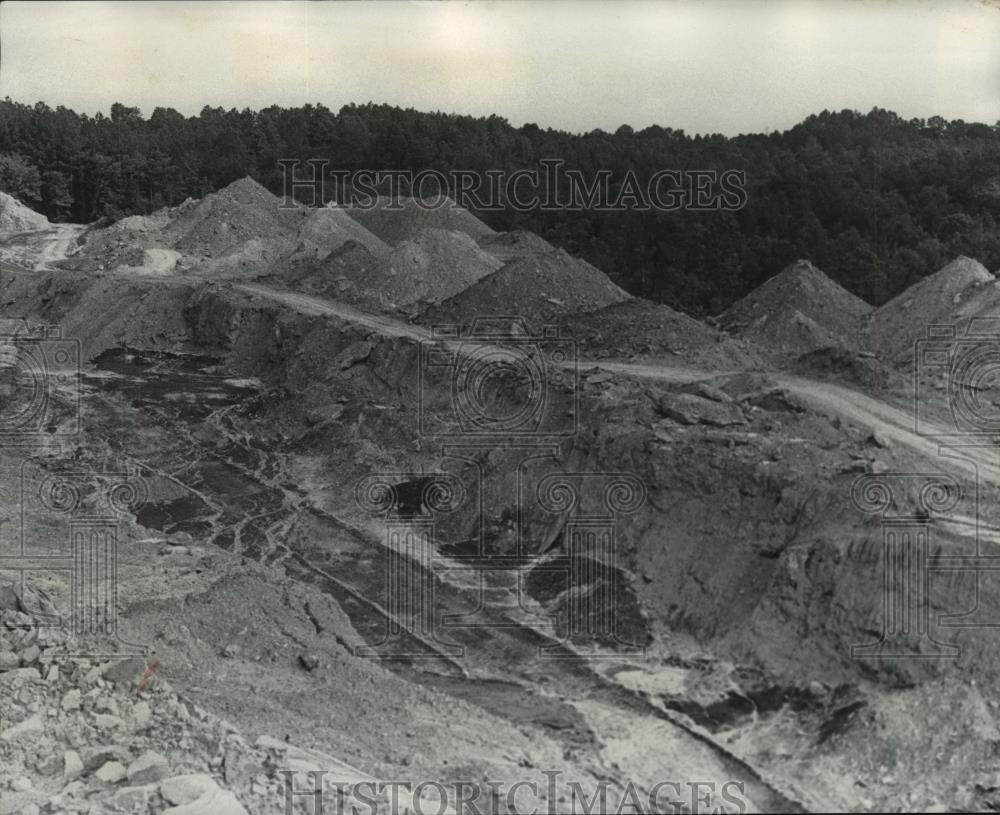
point(823, 397)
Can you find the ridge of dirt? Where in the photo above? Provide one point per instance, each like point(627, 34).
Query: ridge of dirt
point(395, 220)
point(798, 310)
point(534, 289)
point(427, 268)
point(508, 246)
point(155, 221)
point(329, 228)
point(239, 231)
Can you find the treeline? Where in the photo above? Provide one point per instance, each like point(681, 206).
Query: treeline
point(874, 200)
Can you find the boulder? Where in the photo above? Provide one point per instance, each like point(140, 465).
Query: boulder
point(689, 409)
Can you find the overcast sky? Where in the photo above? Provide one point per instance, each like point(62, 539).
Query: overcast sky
point(726, 67)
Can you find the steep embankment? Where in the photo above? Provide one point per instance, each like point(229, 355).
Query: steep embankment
point(508, 246)
point(428, 267)
point(329, 228)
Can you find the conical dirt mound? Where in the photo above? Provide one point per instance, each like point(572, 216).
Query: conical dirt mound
point(536, 289)
point(954, 294)
point(330, 228)
point(639, 328)
point(431, 266)
point(799, 310)
point(396, 220)
point(223, 220)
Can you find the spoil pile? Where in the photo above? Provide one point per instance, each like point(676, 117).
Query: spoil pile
point(329, 228)
point(799, 310)
point(536, 289)
point(508, 246)
point(225, 220)
point(396, 220)
point(431, 266)
point(640, 328)
point(241, 230)
point(343, 274)
point(16, 217)
point(959, 291)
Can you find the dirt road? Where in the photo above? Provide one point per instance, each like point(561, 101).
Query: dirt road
point(308, 304)
point(829, 399)
point(824, 397)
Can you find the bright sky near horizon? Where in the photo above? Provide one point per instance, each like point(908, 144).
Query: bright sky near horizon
point(730, 67)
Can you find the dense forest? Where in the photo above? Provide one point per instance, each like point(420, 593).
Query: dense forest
point(874, 200)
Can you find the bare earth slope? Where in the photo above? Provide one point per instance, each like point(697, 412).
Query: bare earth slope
point(508, 246)
point(329, 228)
point(222, 221)
point(798, 310)
point(397, 221)
point(428, 267)
point(534, 289)
point(951, 296)
point(16, 217)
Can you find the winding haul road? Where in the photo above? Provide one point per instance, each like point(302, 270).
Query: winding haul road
point(825, 398)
